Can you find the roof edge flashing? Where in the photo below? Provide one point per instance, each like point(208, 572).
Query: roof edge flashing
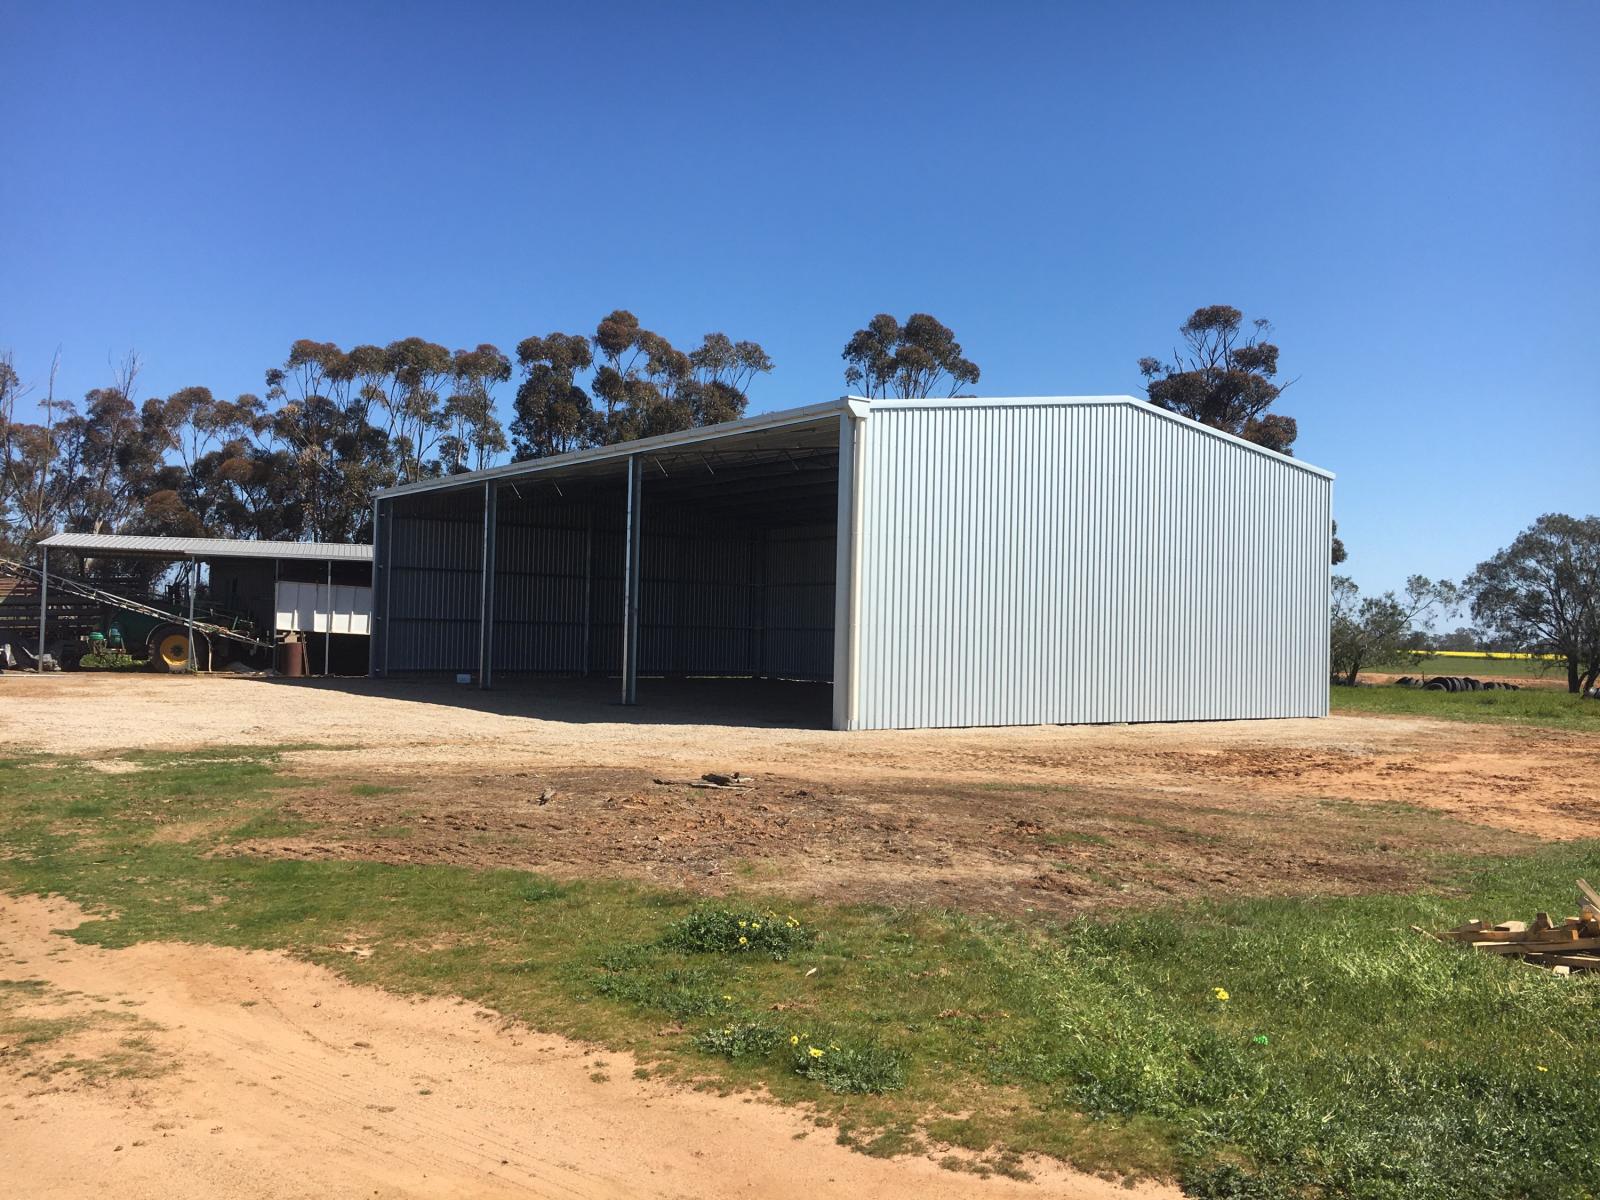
point(139, 545)
point(1133, 402)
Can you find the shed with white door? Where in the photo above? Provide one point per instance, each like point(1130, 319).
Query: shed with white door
point(933, 562)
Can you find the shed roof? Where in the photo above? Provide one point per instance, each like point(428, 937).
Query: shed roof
point(142, 546)
point(769, 433)
point(774, 433)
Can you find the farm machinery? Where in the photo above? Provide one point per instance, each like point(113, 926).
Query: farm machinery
point(82, 619)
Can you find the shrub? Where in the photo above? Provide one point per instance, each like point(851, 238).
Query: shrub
point(727, 931)
point(862, 1068)
point(745, 1040)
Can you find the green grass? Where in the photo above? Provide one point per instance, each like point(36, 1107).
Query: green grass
point(1351, 1058)
point(1549, 709)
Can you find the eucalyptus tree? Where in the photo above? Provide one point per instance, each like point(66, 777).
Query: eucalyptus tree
point(473, 435)
point(919, 358)
point(1225, 378)
point(1542, 593)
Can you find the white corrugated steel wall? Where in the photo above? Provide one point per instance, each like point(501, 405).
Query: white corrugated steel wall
point(1080, 563)
point(306, 608)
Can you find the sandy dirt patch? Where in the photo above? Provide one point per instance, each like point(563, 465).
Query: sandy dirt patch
point(217, 1074)
point(1006, 820)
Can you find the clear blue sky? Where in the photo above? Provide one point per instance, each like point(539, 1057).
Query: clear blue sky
point(1410, 192)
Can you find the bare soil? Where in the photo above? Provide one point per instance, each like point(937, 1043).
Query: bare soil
point(284, 1081)
point(1003, 820)
point(212, 1074)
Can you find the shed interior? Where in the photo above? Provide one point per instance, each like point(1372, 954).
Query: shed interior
point(737, 566)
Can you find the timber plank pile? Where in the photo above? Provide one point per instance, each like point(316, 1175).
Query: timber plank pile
point(1569, 945)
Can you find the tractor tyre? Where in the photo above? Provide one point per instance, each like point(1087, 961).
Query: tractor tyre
point(169, 649)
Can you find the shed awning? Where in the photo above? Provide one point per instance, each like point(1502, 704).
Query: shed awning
point(141, 546)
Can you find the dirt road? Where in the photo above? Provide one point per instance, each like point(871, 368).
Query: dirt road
point(177, 1071)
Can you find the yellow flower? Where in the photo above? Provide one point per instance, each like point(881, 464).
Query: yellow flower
point(814, 1052)
point(1220, 993)
point(728, 998)
point(792, 922)
point(1542, 1067)
point(742, 924)
point(794, 1039)
point(727, 1029)
point(755, 925)
point(744, 941)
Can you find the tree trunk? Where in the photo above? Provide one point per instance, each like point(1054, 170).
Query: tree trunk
point(1574, 683)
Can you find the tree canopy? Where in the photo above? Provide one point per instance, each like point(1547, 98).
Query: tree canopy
point(915, 359)
point(333, 426)
point(1224, 378)
point(1542, 593)
point(638, 385)
point(1366, 631)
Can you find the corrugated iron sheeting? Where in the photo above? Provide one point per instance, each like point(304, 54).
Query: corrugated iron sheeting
point(719, 596)
point(798, 620)
point(545, 554)
point(1076, 564)
point(435, 546)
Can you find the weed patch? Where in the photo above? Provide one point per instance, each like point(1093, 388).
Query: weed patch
point(847, 1069)
point(729, 931)
point(746, 1039)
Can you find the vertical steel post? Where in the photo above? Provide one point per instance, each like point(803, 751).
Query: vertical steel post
point(373, 626)
point(327, 635)
point(630, 583)
point(194, 585)
point(847, 572)
point(44, 596)
point(588, 588)
point(491, 504)
point(388, 585)
point(277, 611)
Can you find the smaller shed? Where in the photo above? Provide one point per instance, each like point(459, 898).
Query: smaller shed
point(282, 589)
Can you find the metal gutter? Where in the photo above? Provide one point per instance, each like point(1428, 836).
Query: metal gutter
point(177, 548)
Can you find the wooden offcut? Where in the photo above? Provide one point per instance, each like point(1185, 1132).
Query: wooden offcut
point(1572, 944)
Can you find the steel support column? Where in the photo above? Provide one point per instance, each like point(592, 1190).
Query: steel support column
point(44, 596)
point(374, 621)
point(491, 496)
point(847, 573)
point(388, 583)
point(194, 586)
point(588, 591)
point(327, 633)
point(630, 582)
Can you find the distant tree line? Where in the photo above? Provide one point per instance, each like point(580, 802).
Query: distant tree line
point(1539, 595)
point(303, 459)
